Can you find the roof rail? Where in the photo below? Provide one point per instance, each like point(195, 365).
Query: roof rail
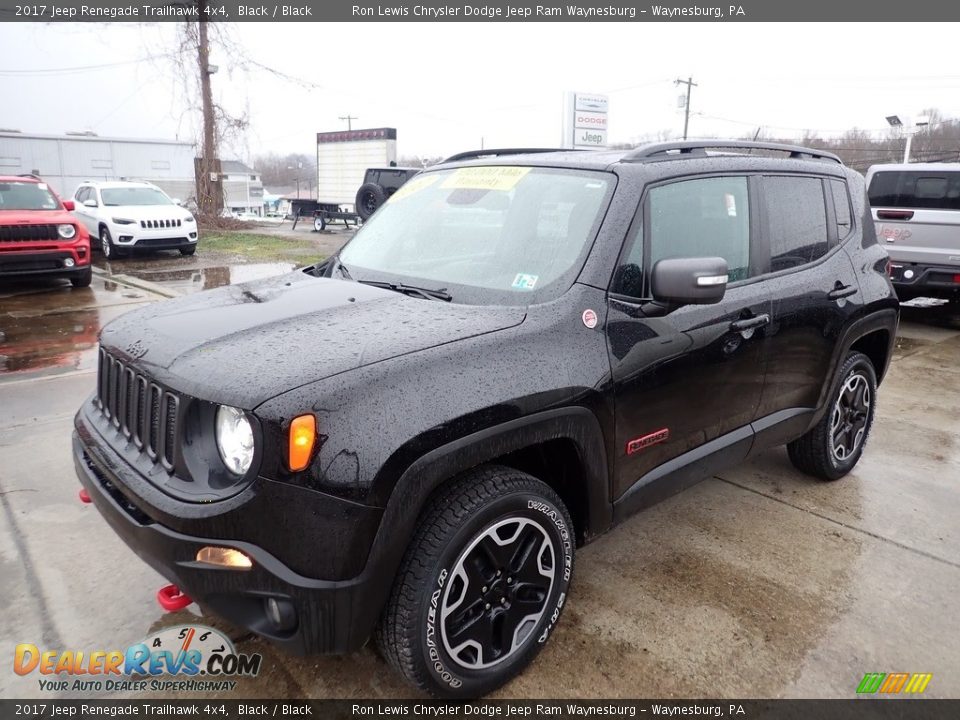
point(30, 175)
point(698, 148)
point(470, 154)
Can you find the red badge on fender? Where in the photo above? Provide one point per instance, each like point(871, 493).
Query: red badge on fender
point(589, 318)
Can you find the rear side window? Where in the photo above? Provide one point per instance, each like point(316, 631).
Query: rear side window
point(841, 205)
point(702, 218)
point(915, 189)
point(796, 221)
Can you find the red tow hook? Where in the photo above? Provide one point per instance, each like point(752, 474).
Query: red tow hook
point(171, 598)
point(84, 496)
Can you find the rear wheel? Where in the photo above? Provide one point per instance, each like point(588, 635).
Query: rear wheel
point(370, 196)
point(833, 446)
point(481, 586)
point(319, 223)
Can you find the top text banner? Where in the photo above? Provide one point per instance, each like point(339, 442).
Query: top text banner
point(481, 11)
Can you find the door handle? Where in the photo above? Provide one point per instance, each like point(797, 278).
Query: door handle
point(750, 323)
point(842, 291)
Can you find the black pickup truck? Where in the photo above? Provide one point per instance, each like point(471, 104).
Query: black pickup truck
point(517, 352)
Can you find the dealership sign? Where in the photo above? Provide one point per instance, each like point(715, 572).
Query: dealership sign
point(585, 120)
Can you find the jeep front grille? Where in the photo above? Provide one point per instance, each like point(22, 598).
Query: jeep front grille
point(28, 233)
point(141, 410)
point(153, 224)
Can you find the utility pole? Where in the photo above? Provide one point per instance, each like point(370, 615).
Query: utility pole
point(686, 108)
point(209, 200)
point(349, 119)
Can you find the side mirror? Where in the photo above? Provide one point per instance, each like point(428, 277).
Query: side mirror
point(176, 201)
point(68, 205)
point(91, 203)
point(690, 281)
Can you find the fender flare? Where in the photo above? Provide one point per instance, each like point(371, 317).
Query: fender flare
point(419, 481)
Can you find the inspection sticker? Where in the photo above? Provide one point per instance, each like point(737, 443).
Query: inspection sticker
point(485, 178)
point(411, 186)
point(525, 282)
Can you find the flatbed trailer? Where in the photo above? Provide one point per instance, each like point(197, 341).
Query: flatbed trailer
point(323, 213)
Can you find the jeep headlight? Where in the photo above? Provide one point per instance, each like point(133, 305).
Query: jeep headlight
point(234, 439)
point(66, 231)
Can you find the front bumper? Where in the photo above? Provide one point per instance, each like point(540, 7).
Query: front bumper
point(329, 616)
point(916, 279)
point(175, 239)
point(46, 263)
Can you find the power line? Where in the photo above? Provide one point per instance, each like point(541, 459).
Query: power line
point(80, 68)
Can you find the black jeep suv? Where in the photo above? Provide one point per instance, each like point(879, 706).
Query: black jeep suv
point(517, 352)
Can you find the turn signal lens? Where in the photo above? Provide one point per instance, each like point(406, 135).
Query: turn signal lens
point(303, 434)
point(224, 557)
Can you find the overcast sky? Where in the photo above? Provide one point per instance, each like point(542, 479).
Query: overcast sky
point(446, 87)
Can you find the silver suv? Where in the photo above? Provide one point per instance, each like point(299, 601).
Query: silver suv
point(916, 210)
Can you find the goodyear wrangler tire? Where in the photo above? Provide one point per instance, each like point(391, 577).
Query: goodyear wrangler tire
point(481, 585)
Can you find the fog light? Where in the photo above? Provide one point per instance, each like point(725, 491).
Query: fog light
point(224, 557)
point(68, 262)
point(125, 238)
point(280, 613)
point(193, 235)
point(908, 274)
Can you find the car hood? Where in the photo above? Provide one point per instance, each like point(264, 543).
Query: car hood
point(243, 344)
point(153, 212)
point(36, 217)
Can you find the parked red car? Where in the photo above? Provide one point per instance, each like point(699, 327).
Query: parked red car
point(38, 235)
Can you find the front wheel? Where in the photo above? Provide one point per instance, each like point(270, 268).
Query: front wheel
point(481, 586)
point(83, 279)
point(188, 250)
point(831, 448)
point(106, 244)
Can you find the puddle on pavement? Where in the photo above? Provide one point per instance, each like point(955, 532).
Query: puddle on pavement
point(51, 328)
point(907, 346)
point(187, 280)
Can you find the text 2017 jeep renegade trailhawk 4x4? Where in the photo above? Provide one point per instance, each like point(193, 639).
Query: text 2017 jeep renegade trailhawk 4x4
point(517, 352)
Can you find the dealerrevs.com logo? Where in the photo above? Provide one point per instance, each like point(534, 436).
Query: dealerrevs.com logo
point(184, 658)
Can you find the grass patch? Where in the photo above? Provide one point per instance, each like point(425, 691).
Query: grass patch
point(260, 248)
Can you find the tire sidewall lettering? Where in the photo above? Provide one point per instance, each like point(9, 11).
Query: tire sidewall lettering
point(436, 661)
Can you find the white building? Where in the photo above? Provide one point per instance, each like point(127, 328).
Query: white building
point(242, 188)
point(64, 161)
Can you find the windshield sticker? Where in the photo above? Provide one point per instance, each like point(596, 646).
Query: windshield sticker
point(42, 186)
point(485, 178)
point(524, 282)
point(411, 186)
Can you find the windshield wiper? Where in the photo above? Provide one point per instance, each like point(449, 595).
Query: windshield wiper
point(426, 293)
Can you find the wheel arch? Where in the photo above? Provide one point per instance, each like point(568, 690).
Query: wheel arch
point(524, 443)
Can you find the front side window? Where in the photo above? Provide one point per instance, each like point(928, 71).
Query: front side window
point(707, 217)
point(123, 196)
point(796, 221)
point(15, 195)
point(488, 234)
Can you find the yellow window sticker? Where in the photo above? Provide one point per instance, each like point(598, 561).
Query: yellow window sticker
point(415, 185)
point(485, 178)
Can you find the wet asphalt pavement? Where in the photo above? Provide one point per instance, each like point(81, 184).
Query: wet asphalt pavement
point(759, 583)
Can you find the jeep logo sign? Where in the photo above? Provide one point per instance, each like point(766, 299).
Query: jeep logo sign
point(584, 120)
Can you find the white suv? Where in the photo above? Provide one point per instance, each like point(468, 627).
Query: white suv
point(129, 216)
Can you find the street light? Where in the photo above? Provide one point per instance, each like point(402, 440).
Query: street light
point(895, 122)
point(297, 168)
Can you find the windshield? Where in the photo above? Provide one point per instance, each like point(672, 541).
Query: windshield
point(134, 196)
point(486, 234)
point(27, 196)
